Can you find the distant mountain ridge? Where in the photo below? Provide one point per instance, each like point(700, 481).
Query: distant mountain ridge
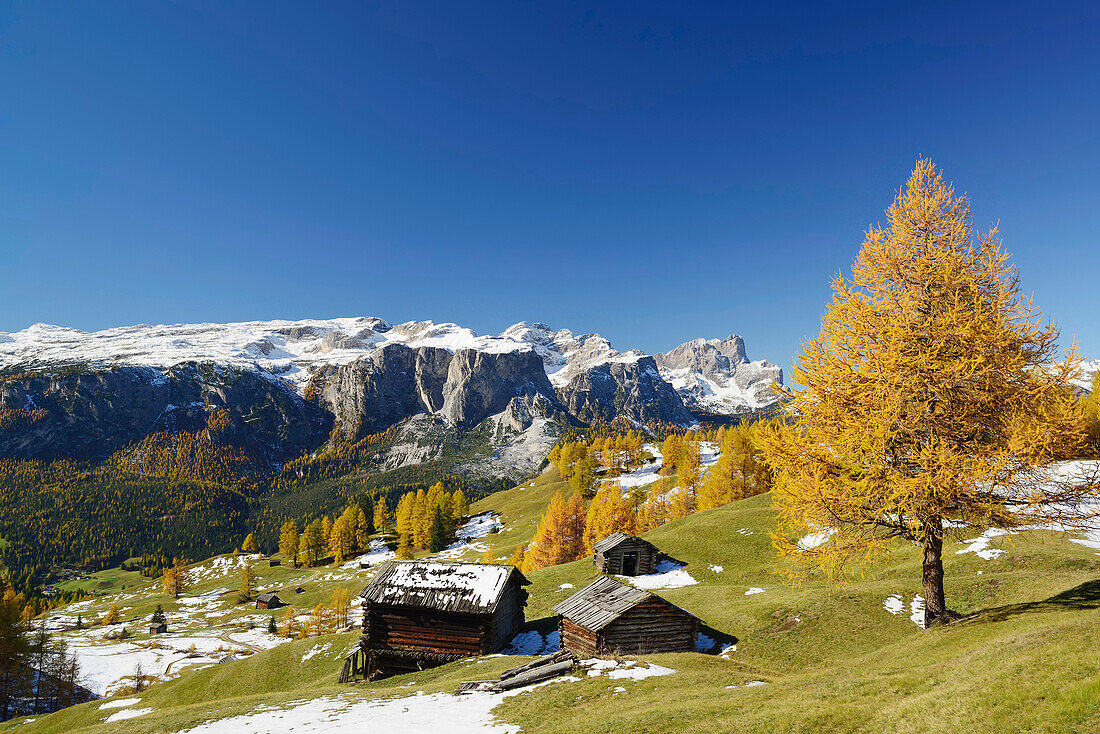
point(520, 388)
point(296, 350)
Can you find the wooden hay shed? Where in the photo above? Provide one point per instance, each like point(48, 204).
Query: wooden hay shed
point(625, 555)
point(158, 629)
point(609, 617)
point(418, 614)
point(269, 601)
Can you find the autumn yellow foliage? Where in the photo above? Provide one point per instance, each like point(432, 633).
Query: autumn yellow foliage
point(559, 537)
point(609, 512)
point(934, 396)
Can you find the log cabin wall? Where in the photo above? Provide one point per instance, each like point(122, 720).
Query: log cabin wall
point(579, 640)
point(508, 618)
point(414, 628)
point(652, 626)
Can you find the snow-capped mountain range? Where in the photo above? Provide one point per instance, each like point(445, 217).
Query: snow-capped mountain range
point(713, 376)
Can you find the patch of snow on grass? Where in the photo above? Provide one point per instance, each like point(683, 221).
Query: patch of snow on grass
point(120, 703)
point(980, 546)
point(127, 714)
point(629, 669)
point(479, 526)
point(345, 714)
point(525, 643)
point(895, 604)
point(315, 651)
point(813, 540)
point(377, 552)
point(563, 587)
point(754, 590)
point(916, 609)
point(715, 568)
point(532, 643)
point(647, 473)
point(668, 575)
point(257, 638)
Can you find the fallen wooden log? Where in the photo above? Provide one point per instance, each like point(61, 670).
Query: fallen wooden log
point(555, 657)
point(535, 675)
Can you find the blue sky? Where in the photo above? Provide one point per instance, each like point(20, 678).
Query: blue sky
point(650, 171)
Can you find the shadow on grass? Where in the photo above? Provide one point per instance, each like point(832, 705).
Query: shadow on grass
point(1084, 596)
point(721, 639)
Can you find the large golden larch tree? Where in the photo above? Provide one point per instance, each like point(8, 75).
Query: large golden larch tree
point(935, 400)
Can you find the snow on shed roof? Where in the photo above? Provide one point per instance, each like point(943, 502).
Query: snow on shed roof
point(449, 587)
point(602, 602)
point(603, 546)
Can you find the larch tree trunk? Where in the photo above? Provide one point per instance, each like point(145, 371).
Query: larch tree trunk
point(935, 605)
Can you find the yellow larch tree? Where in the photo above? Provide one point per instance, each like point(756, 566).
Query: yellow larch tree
point(421, 520)
point(689, 475)
point(288, 542)
point(460, 504)
point(610, 511)
point(740, 471)
point(559, 537)
point(935, 398)
point(340, 604)
point(381, 515)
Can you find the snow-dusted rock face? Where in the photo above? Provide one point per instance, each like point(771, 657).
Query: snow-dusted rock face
point(87, 415)
point(631, 389)
point(566, 355)
point(1085, 374)
point(715, 376)
point(710, 375)
point(286, 382)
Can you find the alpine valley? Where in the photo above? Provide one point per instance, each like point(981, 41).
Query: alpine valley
point(246, 424)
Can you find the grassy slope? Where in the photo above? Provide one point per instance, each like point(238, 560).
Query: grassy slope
point(834, 659)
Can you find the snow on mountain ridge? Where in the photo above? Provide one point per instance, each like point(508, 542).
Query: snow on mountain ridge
point(294, 350)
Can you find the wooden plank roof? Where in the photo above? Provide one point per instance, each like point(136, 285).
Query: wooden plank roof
point(615, 539)
point(268, 597)
point(472, 588)
point(603, 601)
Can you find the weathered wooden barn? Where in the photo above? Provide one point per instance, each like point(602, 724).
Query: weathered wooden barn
point(609, 617)
point(158, 629)
point(269, 601)
point(625, 555)
point(418, 614)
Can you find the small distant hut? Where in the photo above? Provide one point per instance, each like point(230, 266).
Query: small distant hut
point(272, 562)
point(625, 555)
point(419, 614)
point(608, 617)
point(158, 629)
point(269, 601)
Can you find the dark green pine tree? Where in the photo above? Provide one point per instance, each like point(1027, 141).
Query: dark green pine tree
point(438, 538)
point(366, 504)
point(271, 628)
point(158, 615)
